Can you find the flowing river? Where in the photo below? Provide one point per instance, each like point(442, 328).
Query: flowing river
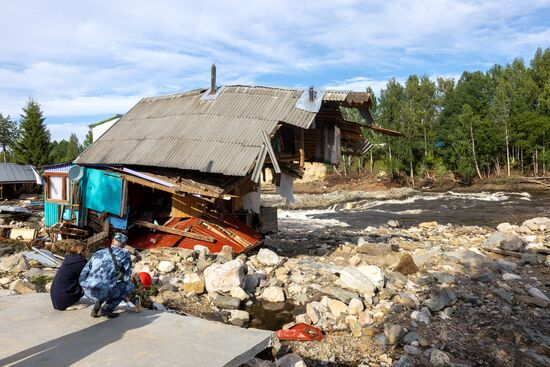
point(481, 209)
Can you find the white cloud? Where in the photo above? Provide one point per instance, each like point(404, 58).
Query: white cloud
point(101, 57)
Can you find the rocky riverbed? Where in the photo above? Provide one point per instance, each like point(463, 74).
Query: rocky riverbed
point(428, 294)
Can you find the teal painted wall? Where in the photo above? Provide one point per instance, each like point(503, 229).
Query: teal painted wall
point(51, 214)
point(102, 191)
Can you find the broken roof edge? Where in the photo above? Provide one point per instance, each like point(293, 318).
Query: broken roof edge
point(95, 124)
point(176, 181)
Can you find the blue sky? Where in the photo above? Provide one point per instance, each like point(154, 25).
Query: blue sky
point(86, 60)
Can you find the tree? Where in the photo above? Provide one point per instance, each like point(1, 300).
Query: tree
point(8, 135)
point(33, 145)
point(88, 140)
point(73, 149)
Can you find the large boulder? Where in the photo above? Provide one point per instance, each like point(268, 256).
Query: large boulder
point(224, 277)
point(353, 279)
point(166, 266)
point(267, 257)
point(193, 284)
point(537, 224)
point(273, 294)
point(16, 263)
point(513, 243)
point(22, 287)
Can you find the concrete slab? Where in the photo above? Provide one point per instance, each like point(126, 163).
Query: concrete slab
point(33, 334)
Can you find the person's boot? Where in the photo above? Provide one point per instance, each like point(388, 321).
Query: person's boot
point(107, 314)
point(96, 309)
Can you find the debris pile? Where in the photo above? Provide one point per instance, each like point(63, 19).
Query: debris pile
point(430, 294)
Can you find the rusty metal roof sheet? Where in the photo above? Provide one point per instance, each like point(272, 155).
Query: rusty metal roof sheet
point(183, 131)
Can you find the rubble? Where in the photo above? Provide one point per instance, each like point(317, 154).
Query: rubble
point(422, 295)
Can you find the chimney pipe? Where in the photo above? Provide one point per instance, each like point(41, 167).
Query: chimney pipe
point(213, 80)
point(311, 94)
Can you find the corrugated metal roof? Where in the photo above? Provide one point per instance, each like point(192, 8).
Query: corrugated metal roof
point(222, 135)
point(15, 173)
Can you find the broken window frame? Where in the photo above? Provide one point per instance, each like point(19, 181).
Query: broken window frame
point(64, 187)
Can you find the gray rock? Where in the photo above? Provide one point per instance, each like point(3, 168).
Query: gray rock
point(507, 266)
point(404, 361)
point(396, 280)
point(381, 340)
point(393, 223)
point(290, 360)
point(256, 362)
point(484, 278)
point(226, 302)
point(267, 257)
point(393, 332)
point(445, 298)
point(374, 249)
point(535, 292)
point(513, 243)
point(351, 278)
point(343, 295)
point(443, 277)
point(226, 254)
point(495, 239)
point(273, 294)
point(529, 258)
point(409, 349)
point(469, 258)
point(504, 294)
point(410, 337)
point(439, 358)
point(251, 281)
point(224, 277)
point(239, 318)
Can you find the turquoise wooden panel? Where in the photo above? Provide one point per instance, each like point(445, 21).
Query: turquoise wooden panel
point(102, 191)
point(51, 214)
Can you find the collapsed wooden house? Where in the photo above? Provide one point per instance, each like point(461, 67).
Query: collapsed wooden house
point(184, 169)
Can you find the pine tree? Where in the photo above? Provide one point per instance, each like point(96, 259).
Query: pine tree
point(8, 135)
point(88, 140)
point(73, 149)
point(33, 146)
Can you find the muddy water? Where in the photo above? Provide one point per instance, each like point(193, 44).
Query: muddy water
point(481, 209)
point(272, 316)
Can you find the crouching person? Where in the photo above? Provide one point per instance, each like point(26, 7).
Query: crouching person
point(66, 290)
point(107, 277)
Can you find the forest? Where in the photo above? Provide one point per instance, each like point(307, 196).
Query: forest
point(493, 123)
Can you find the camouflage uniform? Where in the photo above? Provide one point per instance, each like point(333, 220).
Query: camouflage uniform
point(99, 278)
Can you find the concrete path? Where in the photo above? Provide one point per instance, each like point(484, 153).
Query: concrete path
point(33, 334)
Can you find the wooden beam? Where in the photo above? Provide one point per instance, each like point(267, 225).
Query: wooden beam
point(179, 189)
point(175, 231)
point(302, 151)
point(272, 156)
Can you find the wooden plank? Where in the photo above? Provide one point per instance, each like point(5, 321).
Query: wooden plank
point(272, 155)
point(180, 188)
point(96, 238)
point(25, 234)
point(178, 232)
point(302, 151)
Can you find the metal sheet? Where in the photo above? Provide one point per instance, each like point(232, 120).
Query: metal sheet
point(184, 131)
point(102, 191)
point(15, 173)
point(51, 214)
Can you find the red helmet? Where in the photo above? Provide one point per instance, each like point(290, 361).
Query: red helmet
point(145, 279)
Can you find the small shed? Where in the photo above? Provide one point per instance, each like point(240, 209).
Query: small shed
point(16, 179)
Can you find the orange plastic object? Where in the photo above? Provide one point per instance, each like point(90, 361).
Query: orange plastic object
point(145, 279)
point(303, 332)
